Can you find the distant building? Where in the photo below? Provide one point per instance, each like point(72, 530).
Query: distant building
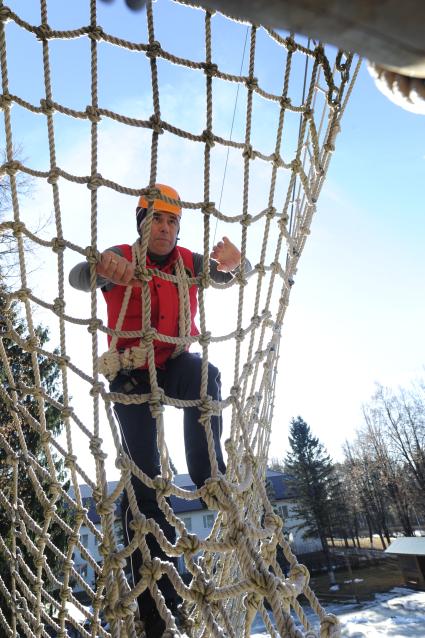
point(197, 520)
point(411, 557)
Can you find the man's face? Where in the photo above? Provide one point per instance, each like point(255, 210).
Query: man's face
point(164, 229)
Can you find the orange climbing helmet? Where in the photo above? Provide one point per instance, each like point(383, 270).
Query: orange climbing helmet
point(161, 205)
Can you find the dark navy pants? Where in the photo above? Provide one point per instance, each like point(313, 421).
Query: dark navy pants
point(181, 379)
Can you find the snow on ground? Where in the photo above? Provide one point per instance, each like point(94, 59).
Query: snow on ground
point(399, 613)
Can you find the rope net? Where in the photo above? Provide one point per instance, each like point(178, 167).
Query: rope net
point(234, 572)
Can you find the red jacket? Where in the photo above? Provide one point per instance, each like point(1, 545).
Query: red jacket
point(164, 305)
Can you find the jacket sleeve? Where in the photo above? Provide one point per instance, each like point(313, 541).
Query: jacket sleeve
point(216, 275)
point(79, 276)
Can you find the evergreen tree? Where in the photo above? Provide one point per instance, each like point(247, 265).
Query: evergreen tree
point(23, 375)
point(311, 476)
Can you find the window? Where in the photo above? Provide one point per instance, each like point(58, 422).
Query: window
point(85, 540)
point(188, 523)
point(208, 520)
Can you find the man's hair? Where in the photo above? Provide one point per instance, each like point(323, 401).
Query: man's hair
point(140, 216)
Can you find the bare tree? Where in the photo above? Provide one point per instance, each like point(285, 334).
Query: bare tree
point(403, 416)
point(391, 471)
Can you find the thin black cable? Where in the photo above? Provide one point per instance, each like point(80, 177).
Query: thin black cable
point(291, 216)
point(231, 133)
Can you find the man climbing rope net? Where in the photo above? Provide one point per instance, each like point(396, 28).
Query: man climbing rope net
point(178, 372)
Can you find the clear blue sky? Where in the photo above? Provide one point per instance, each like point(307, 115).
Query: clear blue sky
point(357, 310)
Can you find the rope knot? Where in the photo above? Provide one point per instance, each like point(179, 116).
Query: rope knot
point(206, 408)
point(329, 626)
point(23, 294)
point(246, 220)
point(47, 106)
point(95, 181)
point(296, 166)
point(290, 44)
point(205, 338)
point(284, 102)
point(69, 459)
point(210, 69)
point(248, 368)
point(116, 561)
point(80, 517)
point(105, 507)
point(251, 83)
point(93, 326)
point(248, 152)
point(271, 212)
point(240, 278)
point(229, 445)
point(11, 168)
point(268, 551)
point(261, 269)
point(156, 124)
point(58, 306)
point(240, 335)
point(153, 49)
point(122, 463)
point(5, 14)
point(151, 570)
point(277, 160)
point(214, 493)
point(95, 446)
point(18, 228)
point(93, 114)
point(208, 208)
point(142, 273)
point(156, 408)
point(93, 256)
point(235, 391)
point(65, 594)
point(202, 589)
point(256, 321)
point(208, 138)
point(162, 485)
point(151, 193)
point(259, 580)
point(120, 610)
point(54, 175)
point(273, 520)
point(252, 601)
point(43, 32)
point(204, 280)
point(188, 543)
point(96, 33)
point(54, 488)
point(283, 221)
point(300, 570)
point(5, 98)
point(139, 524)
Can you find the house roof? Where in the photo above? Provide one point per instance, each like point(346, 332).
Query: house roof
point(407, 545)
point(279, 482)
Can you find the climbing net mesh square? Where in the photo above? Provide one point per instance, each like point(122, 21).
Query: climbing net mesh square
point(92, 120)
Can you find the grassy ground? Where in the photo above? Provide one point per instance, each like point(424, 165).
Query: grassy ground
point(381, 576)
point(364, 543)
